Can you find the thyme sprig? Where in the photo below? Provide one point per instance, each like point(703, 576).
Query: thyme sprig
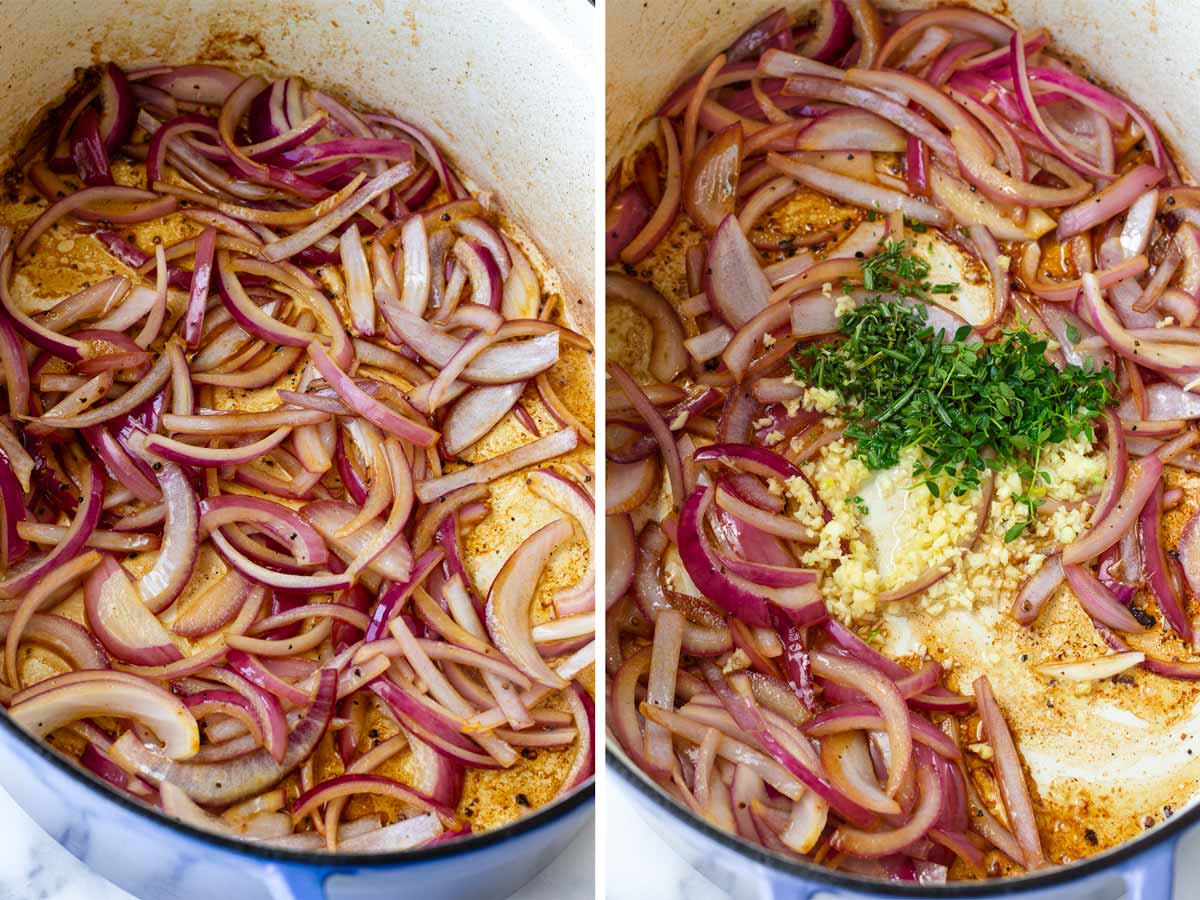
point(969, 406)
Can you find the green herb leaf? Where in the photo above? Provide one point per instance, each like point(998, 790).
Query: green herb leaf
point(1015, 532)
point(969, 407)
point(895, 271)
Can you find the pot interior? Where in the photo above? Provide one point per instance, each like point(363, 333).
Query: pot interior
point(1144, 48)
point(469, 74)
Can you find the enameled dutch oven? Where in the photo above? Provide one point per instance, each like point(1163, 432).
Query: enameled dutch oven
point(1148, 50)
point(505, 87)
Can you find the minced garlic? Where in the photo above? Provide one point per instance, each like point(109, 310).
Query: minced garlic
point(821, 400)
point(736, 662)
point(843, 305)
point(886, 529)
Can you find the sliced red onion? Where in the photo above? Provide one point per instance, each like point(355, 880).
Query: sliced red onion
point(826, 89)
point(852, 129)
point(643, 244)
point(660, 688)
point(1162, 585)
point(346, 785)
point(833, 33)
point(959, 19)
point(1113, 200)
point(500, 364)
point(749, 338)
point(572, 499)
point(757, 460)
point(213, 608)
point(667, 358)
point(539, 451)
point(1164, 401)
point(281, 522)
point(1037, 590)
point(793, 753)
point(847, 761)
point(584, 712)
point(989, 251)
point(105, 695)
point(625, 218)
point(63, 347)
point(65, 637)
point(1032, 113)
point(883, 693)
point(117, 108)
point(79, 204)
point(710, 187)
point(431, 726)
point(620, 556)
point(1099, 601)
point(1189, 552)
point(395, 596)
point(1092, 669)
point(754, 39)
point(282, 580)
point(1009, 775)
point(371, 409)
point(18, 580)
point(88, 151)
point(746, 600)
point(310, 234)
point(476, 413)
point(203, 84)
point(224, 782)
point(166, 579)
point(859, 193)
point(511, 594)
point(734, 281)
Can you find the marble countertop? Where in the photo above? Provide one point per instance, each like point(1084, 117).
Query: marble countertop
point(34, 867)
point(641, 866)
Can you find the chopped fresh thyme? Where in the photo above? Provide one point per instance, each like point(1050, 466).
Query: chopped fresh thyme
point(894, 271)
point(969, 407)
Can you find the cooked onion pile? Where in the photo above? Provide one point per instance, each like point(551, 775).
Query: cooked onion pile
point(743, 699)
point(253, 474)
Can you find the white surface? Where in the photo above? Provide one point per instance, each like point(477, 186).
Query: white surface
point(639, 865)
point(34, 867)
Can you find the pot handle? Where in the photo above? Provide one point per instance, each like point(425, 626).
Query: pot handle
point(299, 883)
point(1151, 875)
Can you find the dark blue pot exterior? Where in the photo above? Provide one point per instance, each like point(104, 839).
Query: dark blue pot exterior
point(155, 858)
point(1141, 870)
